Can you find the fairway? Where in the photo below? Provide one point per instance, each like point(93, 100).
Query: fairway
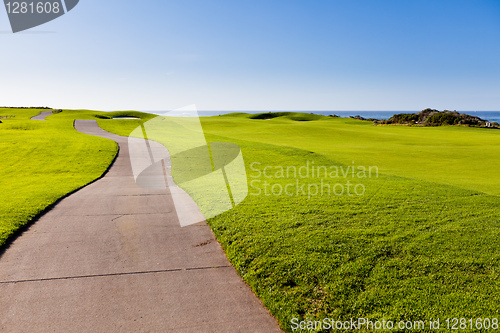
point(420, 243)
point(413, 237)
point(452, 155)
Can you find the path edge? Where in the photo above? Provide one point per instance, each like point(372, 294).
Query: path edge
point(12, 237)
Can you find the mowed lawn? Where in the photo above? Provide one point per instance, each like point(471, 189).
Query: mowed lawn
point(43, 161)
point(420, 243)
point(465, 157)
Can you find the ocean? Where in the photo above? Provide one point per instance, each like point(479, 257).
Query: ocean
point(486, 115)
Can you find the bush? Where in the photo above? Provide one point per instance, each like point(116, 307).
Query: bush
point(403, 118)
point(442, 119)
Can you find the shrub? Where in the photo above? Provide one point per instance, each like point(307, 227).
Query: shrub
point(442, 118)
point(403, 118)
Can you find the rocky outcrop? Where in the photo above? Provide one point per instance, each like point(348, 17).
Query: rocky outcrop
point(433, 117)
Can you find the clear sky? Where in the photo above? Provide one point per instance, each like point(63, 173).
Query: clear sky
point(258, 55)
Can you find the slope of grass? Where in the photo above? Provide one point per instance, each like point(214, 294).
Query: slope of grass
point(297, 116)
point(405, 250)
point(464, 157)
point(42, 161)
point(420, 243)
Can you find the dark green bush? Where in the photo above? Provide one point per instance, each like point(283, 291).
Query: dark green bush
point(442, 119)
point(403, 118)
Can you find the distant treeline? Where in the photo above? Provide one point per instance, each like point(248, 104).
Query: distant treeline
point(26, 107)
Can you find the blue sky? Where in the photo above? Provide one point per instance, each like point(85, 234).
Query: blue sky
point(258, 55)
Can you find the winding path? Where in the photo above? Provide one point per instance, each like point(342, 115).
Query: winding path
point(113, 258)
point(42, 115)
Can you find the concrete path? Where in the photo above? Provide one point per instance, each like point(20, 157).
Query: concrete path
point(42, 115)
point(113, 258)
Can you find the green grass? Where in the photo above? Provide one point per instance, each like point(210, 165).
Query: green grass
point(42, 161)
point(421, 243)
point(453, 155)
point(405, 250)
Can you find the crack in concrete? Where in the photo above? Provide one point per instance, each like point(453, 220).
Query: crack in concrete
point(116, 218)
point(121, 214)
point(114, 274)
point(142, 195)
